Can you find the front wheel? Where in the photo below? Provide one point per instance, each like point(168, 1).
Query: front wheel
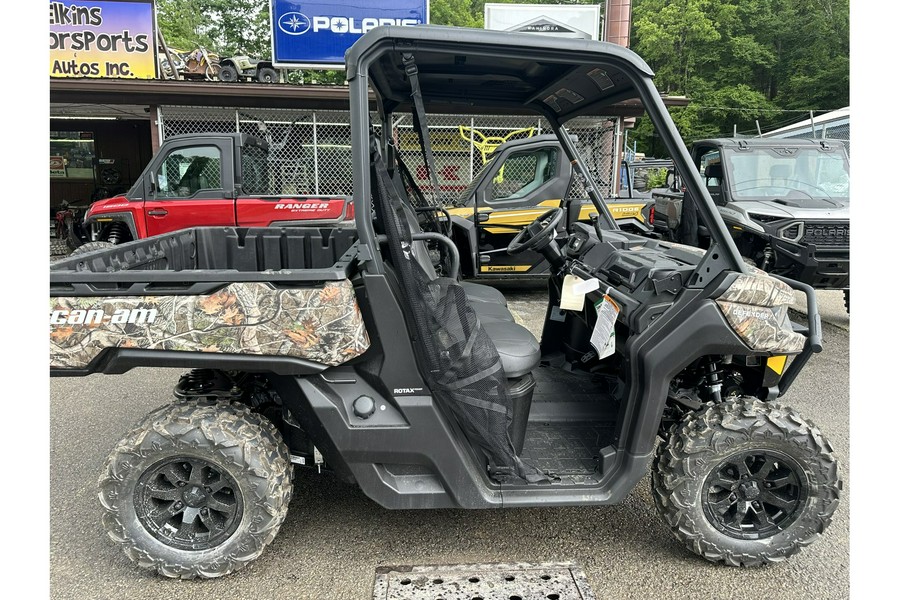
point(89, 247)
point(228, 74)
point(197, 489)
point(746, 482)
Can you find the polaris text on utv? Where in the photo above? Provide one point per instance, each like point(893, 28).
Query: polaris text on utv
point(340, 349)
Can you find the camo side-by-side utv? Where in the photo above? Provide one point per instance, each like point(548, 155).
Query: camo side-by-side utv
point(341, 350)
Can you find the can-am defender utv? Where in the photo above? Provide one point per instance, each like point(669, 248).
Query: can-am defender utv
point(342, 350)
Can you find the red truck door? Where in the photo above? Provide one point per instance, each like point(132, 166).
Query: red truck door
point(191, 185)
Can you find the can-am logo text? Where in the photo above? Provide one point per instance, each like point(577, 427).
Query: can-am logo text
point(295, 23)
point(134, 316)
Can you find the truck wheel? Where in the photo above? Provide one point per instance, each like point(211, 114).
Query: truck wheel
point(746, 482)
point(267, 75)
point(197, 489)
point(89, 247)
point(228, 73)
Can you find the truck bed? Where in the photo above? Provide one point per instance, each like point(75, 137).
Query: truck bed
point(253, 298)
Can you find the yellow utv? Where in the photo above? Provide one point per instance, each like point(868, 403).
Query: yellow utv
point(520, 180)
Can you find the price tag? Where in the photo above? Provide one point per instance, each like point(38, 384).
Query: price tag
point(571, 299)
point(603, 338)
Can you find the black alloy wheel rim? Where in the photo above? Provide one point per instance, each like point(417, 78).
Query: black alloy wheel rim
point(188, 503)
point(755, 494)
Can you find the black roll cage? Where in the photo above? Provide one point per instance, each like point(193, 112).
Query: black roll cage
point(386, 45)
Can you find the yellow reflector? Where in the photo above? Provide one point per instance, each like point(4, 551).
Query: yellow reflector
point(776, 363)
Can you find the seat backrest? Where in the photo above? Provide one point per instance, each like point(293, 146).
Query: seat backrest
point(713, 174)
point(714, 171)
point(779, 172)
point(419, 248)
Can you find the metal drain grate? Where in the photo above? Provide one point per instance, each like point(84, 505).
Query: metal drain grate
point(500, 581)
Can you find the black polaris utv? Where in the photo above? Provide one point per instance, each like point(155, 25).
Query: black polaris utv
point(339, 350)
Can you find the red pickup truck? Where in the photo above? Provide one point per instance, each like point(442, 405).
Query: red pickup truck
point(208, 179)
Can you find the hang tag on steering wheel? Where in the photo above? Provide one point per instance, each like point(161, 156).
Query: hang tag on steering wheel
point(603, 337)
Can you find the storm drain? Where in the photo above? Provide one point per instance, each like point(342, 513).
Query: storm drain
point(501, 581)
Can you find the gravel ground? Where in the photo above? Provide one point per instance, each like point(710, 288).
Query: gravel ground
point(334, 537)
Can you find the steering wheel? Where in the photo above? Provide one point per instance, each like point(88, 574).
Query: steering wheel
point(538, 234)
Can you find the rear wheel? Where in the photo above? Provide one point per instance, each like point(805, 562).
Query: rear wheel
point(746, 482)
point(267, 75)
point(197, 489)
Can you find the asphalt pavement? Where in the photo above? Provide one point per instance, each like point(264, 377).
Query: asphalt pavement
point(334, 537)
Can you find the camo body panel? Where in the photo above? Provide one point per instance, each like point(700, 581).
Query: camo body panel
point(763, 328)
point(321, 324)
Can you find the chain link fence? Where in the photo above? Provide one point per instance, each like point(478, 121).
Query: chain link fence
point(309, 151)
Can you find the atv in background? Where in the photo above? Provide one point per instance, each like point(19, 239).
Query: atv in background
point(786, 203)
point(244, 68)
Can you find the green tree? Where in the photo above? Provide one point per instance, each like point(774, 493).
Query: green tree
point(182, 25)
point(743, 61)
point(227, 27)
point(679, 37)
point(460, 13)
point(816, 59)
point(238, 26)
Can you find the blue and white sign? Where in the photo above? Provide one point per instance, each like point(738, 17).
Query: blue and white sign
point(316, 34)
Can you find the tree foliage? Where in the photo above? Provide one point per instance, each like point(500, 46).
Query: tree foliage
point(227, 27)
point(739, 61)
point(743, 62)
point(231, 27)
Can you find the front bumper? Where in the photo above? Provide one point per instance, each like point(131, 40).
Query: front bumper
point(813, 333)
point(819, 267)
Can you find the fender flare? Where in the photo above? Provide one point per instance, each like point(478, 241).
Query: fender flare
point(123, 217)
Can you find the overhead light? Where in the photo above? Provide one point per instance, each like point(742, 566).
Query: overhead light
point(72, 118)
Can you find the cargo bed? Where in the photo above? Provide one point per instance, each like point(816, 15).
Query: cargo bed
point(276, 299)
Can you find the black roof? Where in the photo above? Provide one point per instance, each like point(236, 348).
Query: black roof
point(459, 66)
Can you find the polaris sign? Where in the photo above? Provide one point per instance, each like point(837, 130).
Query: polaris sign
point(316, 34)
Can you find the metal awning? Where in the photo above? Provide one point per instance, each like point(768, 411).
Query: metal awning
point(128, 98)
